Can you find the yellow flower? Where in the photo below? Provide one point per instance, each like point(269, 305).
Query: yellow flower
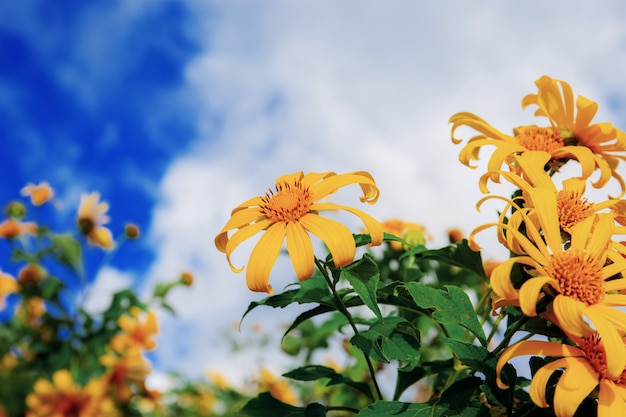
point(63, 398)
point(186, 278)
point(39, 194)
point(8, 285)
point(92, 217)
point(581, 280)
point(403, 229)
point(123, 372)
point(585, 368)
point(135, 334)
point(279, 388)
point(571, 205)
point(555, 100)
point(292, 211)
point(532, 138)
point(11, 228)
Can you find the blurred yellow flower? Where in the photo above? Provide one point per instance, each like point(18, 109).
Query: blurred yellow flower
point(124, 372)
point(8, 285)
point(11, 228)
point(279, 388)
point(39, 194)
point(63, 398)
point(91, 218)
point(414, 232)
point(292, 211)
point(585, 369)
point(186, 278)
point(135, 335)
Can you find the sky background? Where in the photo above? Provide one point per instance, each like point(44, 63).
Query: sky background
point(176, 111)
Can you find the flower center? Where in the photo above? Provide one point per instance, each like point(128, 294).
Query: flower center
point(572, 209)
point(290, 202)
point(536, 138)
point(596, 356)
point(579, 276)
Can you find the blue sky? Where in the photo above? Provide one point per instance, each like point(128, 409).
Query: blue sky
point(177, 111)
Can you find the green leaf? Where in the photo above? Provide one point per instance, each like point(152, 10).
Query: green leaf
point(67, 250)
point(395, 339)
point(458, 254)
point(267, 406)
point(364, 277)
point(456, 401)
point(450, 306)
point(315, 372)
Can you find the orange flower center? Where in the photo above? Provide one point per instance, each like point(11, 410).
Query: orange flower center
point(290, 202)
point(572, 209)
point(536, 138)
point(596, 356)
point(579, 276)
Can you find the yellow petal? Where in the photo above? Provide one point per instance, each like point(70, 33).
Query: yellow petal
point(331, 184)
point(335, 235)
point(236, 239)
point(540, 380)
point(529, 293)
point(577, 381)
point(611, 399)
point(569, 313)
point(534, 347)
point(373, 226)
point(300, 250)
point(263, 257)
point(607, 320)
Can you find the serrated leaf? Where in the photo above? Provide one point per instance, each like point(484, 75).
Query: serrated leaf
point(315, 372)
point(395, 339)
point(450, 306)
point(364, 276)
point(267, 406)
point(459, 255)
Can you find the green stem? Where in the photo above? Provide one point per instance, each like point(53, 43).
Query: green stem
point(505, 342)
point(344, 310)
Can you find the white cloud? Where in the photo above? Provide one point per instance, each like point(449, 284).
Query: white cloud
point(108, 281)
point(342, 86)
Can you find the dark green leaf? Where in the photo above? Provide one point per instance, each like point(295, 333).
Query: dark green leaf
point(450, 306)
point(395, 339)
point(315, 372)
point(364, 277)
point(267, 406)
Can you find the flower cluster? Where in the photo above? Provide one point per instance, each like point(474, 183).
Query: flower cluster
point(567, 264)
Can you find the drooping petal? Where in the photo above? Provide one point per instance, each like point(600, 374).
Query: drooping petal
point(331, 184)
point(569, 312)
point(576, 383)
point(540, 380)
point(611, 401)
point(373, 226)
point(300, 249)
point(335, 235)
point(611, 338)
point(241, 218)
point(544, 199)
point(263, 258)
point(229, 245)
point(534, 347)
point(529, 293)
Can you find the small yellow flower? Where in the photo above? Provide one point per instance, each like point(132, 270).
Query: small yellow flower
point(11, 228)
point(92, 217)
point(414, 232)
point(585, 369)
point(64, 398)
point(136, 335)
point(31, 274)
point(8, 285)
point(39, 194)
point(186, 278)
point(131, 231)
point(124, 372)
point(292, 212)
point(279, 388)
point(455, 235)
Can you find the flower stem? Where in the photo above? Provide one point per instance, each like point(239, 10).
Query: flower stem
point(344, 310)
